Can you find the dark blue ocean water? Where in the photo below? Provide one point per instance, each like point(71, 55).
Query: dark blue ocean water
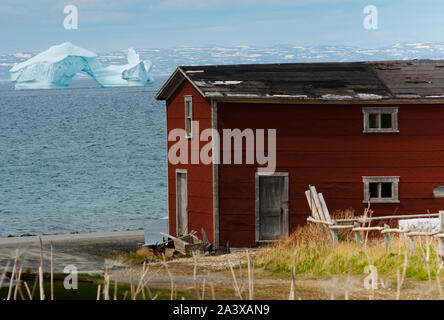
point(81, 159)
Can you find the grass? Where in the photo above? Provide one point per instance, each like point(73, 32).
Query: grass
point(88, 291)
point(140, 256)
point(311, 248)
point(307, 252)
point(134, 258)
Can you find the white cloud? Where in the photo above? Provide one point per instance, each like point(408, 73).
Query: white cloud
point(216, 4)
point(92, 11)
point(218, 29)
point(11, 9)
point(94, 17)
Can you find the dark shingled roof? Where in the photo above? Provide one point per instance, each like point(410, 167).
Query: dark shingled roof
point(413, 79)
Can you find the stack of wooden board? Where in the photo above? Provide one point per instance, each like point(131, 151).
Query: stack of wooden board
point(189, 244)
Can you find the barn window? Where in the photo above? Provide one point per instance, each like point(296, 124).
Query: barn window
point(381, 189)
point(380, 120)
point(188, 116)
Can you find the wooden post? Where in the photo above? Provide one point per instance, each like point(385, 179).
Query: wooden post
point(441, 240)
point(334, 234)
point(387, 237)
point(412, 244)
point(358, 234)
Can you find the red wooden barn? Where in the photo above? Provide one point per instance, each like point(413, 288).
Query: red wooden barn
point(359, 132)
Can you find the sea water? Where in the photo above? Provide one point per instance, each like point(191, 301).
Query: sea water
point(81, 159)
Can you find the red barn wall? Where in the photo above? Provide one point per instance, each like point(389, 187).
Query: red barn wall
point(200, 177)
point(324, 145)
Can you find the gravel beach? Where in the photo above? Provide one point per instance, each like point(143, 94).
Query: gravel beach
point(88, 252)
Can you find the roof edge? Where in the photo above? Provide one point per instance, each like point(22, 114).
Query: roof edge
point(173, 83)
point(182, 73)
point(164, 91)
point(311, 62)
point(388, 101)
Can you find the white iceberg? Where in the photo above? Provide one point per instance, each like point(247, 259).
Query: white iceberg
point(55, 67)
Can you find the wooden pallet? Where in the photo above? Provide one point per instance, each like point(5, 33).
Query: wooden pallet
point(188, 244)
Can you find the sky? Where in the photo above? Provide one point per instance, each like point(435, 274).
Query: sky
point(107, 25)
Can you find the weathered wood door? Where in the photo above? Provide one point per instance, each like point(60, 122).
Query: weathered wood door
point(181, 203)
point(272, 209)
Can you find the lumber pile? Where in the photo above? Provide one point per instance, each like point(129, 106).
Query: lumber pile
point(186, 245)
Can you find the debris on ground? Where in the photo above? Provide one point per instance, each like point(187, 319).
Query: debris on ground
point(186, 245)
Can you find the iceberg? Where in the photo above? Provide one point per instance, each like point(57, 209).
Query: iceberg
point(55, 67)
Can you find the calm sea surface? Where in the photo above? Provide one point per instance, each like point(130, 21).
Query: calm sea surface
point(81, 159)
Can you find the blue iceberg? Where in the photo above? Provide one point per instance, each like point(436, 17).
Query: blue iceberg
point(55, 67)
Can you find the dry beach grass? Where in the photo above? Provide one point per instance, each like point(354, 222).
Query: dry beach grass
point(303, 266)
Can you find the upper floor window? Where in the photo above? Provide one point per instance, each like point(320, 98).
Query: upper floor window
point(189, 116)
point(380, 119)
point(381, 189)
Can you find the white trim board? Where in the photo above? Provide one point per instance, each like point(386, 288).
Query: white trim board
point(215, 179)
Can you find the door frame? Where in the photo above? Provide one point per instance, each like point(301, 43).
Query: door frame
point(183, 171)
point(285, 218)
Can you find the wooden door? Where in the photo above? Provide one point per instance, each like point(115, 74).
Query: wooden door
point(181, 203)
point(272, 210)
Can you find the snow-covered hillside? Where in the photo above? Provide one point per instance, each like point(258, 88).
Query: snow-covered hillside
point(166, 60)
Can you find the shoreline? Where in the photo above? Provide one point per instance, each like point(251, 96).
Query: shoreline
point(88, 252)
point(151, 234)
point(90, 236)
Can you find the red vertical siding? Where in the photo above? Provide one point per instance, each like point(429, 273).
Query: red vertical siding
point(200, 177)
point(323, 145)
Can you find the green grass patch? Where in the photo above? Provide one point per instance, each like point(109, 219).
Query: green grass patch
point(323, 260)
point(133, 258)
point(87, 291)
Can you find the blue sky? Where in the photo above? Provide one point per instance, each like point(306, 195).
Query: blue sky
point(33, 25)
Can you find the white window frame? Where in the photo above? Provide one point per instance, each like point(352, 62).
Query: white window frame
point(379, 110)
point(183, 171)
point(394, 180)
point(189, 99)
